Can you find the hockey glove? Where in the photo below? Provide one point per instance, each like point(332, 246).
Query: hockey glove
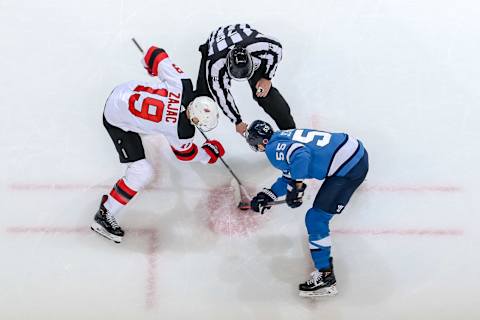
point(260, 202)
point(214, 149)
point(152, 58)
point(295, 194)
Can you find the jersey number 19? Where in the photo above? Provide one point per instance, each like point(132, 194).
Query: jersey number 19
point(148, 104)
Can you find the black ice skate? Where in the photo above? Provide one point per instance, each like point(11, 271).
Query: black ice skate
point(321, 284)
point(106, 225)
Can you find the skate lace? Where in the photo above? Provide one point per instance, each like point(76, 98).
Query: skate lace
point(111, 220)
point(316, 277)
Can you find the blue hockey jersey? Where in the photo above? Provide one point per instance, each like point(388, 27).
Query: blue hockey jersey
point(306, 153)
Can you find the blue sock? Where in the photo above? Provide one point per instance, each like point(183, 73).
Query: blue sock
point(317, 223)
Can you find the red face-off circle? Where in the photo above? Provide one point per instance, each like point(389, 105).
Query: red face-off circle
point(224, 217)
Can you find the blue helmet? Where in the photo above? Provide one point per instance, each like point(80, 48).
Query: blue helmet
point(259, 132)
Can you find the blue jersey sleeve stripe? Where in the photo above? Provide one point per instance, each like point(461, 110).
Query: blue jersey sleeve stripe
point(350, 163)
point(287, 175)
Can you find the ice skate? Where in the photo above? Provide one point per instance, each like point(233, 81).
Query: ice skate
point(321, 284)
point(106, 225)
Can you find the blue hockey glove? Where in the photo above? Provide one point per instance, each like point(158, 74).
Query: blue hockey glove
point(260, 202)
point(295, 195)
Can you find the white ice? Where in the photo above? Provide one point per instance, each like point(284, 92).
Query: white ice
point(400, 75)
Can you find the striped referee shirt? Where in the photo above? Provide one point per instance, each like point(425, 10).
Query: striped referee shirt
point(266, 52)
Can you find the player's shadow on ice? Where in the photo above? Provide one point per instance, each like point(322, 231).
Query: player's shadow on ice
point(363, 276)
point(173, 230)
point(163, 215)
point(287, 261)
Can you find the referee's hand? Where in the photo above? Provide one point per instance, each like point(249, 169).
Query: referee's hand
point(263, 87)
point(241, 128)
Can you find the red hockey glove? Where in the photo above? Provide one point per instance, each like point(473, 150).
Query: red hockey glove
point(152, 59)
point(214, 149)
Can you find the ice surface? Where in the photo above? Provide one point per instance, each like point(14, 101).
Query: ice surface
point(400, 75)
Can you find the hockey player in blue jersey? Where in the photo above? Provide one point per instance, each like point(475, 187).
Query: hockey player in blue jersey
point(338, 159)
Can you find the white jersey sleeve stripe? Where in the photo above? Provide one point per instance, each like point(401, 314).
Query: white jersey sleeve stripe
point(322, 243)
point(343, 154)
point(292, 149)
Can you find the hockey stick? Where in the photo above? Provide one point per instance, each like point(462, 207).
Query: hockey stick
point(277, 202)
point(244, 203)
point(274, 203)
point(138, 46)
point(270, 204)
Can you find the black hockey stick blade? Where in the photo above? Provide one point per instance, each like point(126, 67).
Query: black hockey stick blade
point(245, 199)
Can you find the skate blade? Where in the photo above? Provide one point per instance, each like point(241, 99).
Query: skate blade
point(100, 230)
point(323, 292)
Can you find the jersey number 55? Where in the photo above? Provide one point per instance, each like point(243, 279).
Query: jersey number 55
point(323, 138)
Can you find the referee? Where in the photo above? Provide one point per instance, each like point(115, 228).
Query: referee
point(240, 52)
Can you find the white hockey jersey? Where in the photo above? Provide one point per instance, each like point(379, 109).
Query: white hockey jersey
point(155, 107)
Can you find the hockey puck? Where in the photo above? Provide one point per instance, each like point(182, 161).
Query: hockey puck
point(244, 205)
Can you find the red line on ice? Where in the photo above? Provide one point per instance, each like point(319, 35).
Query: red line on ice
point(364, 188)
point(424, 188)
point(63, 186)
point(400, 232)
point(152, 267)
point(153, 234)
point(47, 230)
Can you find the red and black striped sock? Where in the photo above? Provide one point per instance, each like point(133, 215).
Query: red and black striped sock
point(121, 193)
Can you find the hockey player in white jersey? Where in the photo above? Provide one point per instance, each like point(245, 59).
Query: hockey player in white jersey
point(161, 106)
